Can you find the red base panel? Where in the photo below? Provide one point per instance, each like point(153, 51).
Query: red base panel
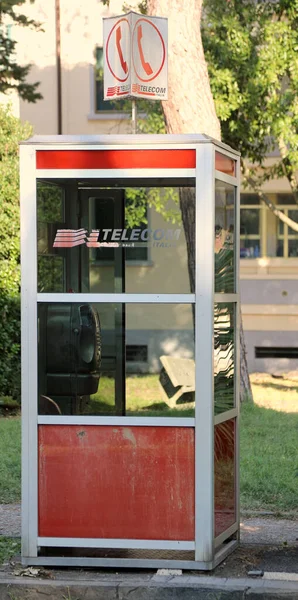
point(224, 476)
point(116, 482)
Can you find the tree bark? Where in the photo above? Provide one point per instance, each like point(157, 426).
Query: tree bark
point(190, 108)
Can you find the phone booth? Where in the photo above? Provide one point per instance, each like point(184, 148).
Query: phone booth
point(130, 351)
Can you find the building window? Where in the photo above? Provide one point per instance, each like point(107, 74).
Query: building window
point(250, 226)
point(276, 352)
point(287, 238)
point(264, 234)
point(100, 103)
point(137, 353)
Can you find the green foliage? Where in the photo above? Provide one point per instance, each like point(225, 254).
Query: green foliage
point(11, 132)
point(12, 75)
point(252, 53)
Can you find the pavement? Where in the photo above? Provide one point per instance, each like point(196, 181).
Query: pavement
point(264, 566)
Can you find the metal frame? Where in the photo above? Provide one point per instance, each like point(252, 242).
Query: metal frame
point(120, 298)
point(207, 550)
point(55, 542)
point(115, 421)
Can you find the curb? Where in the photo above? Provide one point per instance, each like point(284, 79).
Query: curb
point(155, 587)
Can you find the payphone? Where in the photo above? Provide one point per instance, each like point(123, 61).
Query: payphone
point(121, 277)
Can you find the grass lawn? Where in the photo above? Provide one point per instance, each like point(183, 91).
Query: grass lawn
point(9, 547)
point(269, 445)
point(269, 436)
point(10, 463)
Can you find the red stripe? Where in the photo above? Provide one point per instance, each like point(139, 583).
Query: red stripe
point(146, 93)
point(115, 159)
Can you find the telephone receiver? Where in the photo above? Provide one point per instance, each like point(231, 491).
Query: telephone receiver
point(118, 40)
point(146, 66)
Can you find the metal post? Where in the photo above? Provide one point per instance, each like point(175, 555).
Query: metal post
point(204, 354)
point(133, 116)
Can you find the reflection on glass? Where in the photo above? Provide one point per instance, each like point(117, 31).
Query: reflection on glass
point(112, 240)
point(225, 164)
point(50, 216)
point(224, 476)
point(160, 367)
point(224, 328)
point(50, 272)
point(90, 363)
point(224, 246)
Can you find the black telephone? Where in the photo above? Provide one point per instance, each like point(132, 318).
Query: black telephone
point(70, 344)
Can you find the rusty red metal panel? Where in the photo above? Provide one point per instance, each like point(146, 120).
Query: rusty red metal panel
point(116, 159)
point(225, 164)
point(224, 476)
point(116, 482)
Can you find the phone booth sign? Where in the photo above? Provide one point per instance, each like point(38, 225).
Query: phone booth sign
point(130, 351)
point(135, 57)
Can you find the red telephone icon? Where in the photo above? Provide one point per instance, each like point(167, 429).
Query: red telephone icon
point(146, 66)
point(118, 40)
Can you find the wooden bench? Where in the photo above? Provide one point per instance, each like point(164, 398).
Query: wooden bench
point(177, 380)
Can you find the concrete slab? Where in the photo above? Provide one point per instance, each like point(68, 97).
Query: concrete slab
point(141, 588)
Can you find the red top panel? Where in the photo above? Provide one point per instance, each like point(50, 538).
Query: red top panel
point(225, 164)
point(115, 159)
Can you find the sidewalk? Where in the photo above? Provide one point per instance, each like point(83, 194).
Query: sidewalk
point(268, 545)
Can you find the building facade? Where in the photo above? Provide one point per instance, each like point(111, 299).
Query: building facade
point(67, 59)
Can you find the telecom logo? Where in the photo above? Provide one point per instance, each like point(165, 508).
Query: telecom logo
point(115, 238)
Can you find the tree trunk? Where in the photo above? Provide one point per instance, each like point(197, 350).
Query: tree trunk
point(245, 387)
point(190, 108)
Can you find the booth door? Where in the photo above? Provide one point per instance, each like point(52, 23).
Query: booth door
point(108, 470)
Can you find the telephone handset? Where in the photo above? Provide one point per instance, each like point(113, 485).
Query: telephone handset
point(146, 66)
point(118, 40)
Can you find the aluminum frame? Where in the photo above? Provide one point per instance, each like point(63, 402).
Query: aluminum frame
point(207, 554)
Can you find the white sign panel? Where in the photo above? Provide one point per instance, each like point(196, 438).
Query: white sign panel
point(135, 57)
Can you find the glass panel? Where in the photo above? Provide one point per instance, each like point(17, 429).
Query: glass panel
point(164, 383)
point(293, 214)
point(224, 476)
point(250, 248)
point(50, 216)
point(293, 248)
point(82, 365)
point(224, 356)
point(224, 237)
point(102, 233)
point(50, 274)
point(249, 221)
point(280, 248)
point(285, 199)
point(249, 199)
point(281, 227)
point(225, 164)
